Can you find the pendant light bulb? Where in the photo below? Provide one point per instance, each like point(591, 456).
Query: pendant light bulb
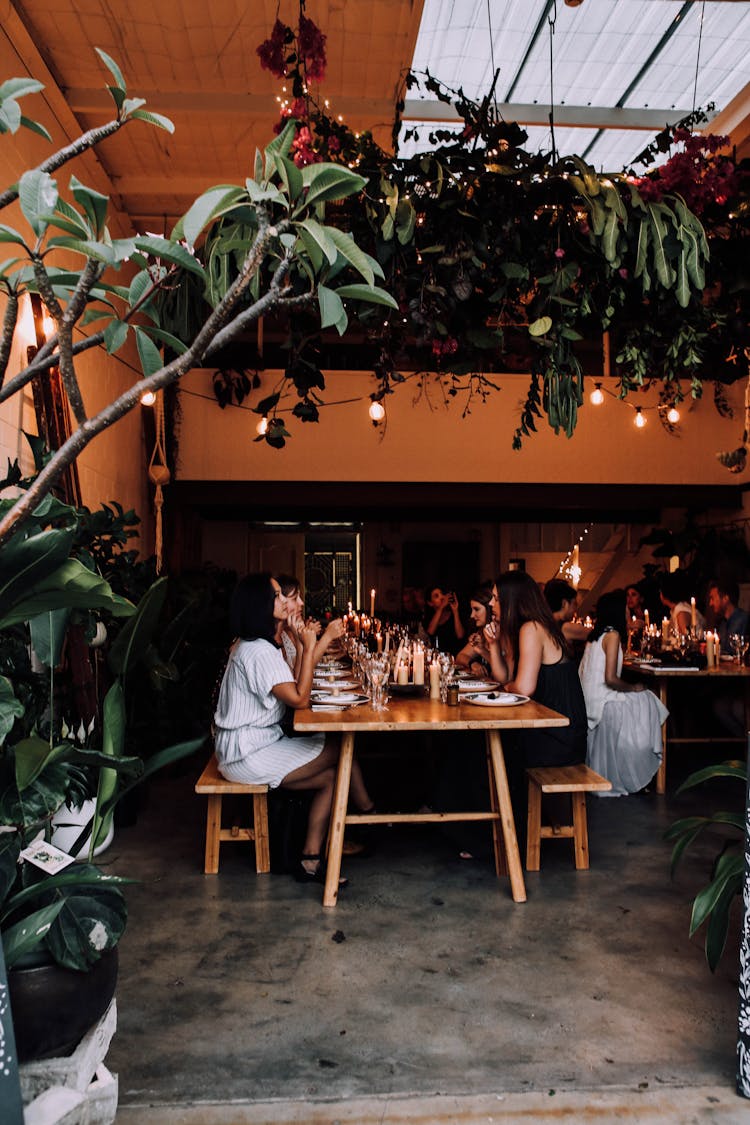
point(148, 398)
point(640, 421)
point(377, 412)
point(673, 415)
point(262, 426)
point(597, 395)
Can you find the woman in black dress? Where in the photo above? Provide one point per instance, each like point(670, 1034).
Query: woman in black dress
point(530, 655)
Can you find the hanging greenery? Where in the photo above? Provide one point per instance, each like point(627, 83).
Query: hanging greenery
point(506, 260)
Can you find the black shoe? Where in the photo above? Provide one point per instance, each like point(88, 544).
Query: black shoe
point(302, 875)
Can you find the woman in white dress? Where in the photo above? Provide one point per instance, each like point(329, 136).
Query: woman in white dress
point(257, 687)
point(624, 719)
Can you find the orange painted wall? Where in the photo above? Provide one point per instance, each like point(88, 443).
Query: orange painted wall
point(428, 440)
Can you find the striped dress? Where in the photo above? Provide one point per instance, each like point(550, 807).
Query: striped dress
point(250, 744)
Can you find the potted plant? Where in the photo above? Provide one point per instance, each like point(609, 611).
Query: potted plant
point(60, 924)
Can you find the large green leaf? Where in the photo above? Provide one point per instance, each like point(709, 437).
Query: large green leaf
point(332, 311)
point(732, 768)
point(728, 872)
point(154, 763)
point(48, 634)
point(327, 182)
point(349, 250)
point(31, 756)
point(19, 87)
point(37, 195)
point(371, 293)
point(93, 203)
point(10, 708)
point(279, 146)
point(168, 251)
point(88, 924)
point(207, 207)
point(135, 637)
point(157, 119)
point(29, 933)
point(70, 585)
point(148, 353)
point(24, 563)
point(112, 67)
point(313, 234)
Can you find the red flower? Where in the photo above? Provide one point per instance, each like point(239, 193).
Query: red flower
point(272, 53)
point(311, 44)
point(559, 253)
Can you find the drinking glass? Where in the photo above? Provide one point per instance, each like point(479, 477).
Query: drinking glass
point(378, 670)
point(446, 674)
point(739, 643)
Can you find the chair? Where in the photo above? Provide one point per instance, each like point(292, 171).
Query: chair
point(578, 780)
point(215, 786)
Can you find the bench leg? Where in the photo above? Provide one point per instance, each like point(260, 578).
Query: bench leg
point(533, 827)
point(580, 831)
point(213, 837)
point(260, 827)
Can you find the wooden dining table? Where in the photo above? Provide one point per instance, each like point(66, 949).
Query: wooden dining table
point(423, 714)
point(663, 675)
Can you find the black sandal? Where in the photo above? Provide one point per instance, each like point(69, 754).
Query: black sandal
point(302, 875)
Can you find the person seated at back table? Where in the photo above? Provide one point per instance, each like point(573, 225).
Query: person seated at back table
point(624, 719)
point(442, 619)
point(728, 708)
point(723, 597)
point(563, 601)
point(673, 594)
point(635, 607)
point(475, 655)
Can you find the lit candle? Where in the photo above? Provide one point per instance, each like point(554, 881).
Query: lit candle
point(356, 625)
point(418, 665)
point(664, 629)
point(434, 679)
point(646, 619)
point(402, 672)
point(379, 639)
point(693, 617)
point(372, 602)
point(710, 650)
point(387, 640)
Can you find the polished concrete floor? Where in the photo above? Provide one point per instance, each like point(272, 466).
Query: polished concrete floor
point(241, 998)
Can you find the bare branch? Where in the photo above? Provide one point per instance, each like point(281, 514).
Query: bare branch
point(84, 142)
point(9, 327)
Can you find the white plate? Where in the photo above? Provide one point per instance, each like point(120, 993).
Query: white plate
point(323, 685)
point(333, 664)
point(344, 698)
point(332, 675)
point(495, 699)
point(478, 685)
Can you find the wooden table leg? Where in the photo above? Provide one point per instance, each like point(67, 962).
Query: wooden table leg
point(338, 819)
point(512, 857)
point(661, 773)
point(501, 867)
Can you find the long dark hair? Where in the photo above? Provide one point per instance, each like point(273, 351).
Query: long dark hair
point(251, 609)
point(289, 584)
point(483, 595)
point(521, 600)
point(610, 614)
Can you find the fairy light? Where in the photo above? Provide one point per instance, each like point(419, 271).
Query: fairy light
point(673, 415)
point(597, 395)
point(639, 420)
point(377, 412)
point(570, 567)
point(148, 398)
point(262, 426)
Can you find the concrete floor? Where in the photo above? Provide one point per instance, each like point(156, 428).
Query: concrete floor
point(241, 999)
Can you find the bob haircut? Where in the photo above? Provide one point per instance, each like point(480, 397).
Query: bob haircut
point(556, 591)
point(521, 600)
point(251, 608)
point(482, 594)
point(610, 614)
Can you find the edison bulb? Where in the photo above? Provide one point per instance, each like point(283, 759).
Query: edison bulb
point(262, 426)
point(640, 421)
point(597, 395)
point(377, 411)
point(673, 415)
point(148, 398)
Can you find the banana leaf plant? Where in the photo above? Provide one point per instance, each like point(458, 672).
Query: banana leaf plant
point(77, 914)
point(713, 903)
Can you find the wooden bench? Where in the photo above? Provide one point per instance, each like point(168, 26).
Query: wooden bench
point(577, 780)
point(215, 786)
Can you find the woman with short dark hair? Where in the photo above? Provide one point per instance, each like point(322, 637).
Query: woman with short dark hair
point(257, 687)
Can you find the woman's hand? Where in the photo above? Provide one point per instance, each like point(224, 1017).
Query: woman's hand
point(314, 624)
point(308, 636)
point(491, 633)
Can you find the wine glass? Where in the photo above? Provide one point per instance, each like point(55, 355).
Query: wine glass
point(378, 670)
point(739, 643)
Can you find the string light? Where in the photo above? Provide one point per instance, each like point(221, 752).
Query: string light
point(570, 567)
point(639, 420)
point(597, 395)
point(262, 426)
point(377, 412)
point(148, 398)
point(673, 415)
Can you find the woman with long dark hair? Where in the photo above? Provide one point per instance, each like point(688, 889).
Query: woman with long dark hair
point(257, 687)
point(529, 655)
point(624, 719)
point(475, 655)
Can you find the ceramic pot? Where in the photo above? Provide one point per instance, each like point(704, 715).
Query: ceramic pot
point(66, 828)
point(53, 1007)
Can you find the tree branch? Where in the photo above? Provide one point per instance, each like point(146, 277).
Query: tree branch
point(85, 141)
point(9, 327)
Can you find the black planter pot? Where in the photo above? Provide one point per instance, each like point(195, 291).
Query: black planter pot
point(53, 1008)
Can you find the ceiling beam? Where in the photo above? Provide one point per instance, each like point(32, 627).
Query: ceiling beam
point(573, 116)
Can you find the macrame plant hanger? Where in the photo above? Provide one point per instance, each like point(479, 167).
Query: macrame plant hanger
point(159, 475)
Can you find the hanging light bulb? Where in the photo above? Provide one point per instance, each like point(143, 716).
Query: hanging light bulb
point(262, 426)
point(148, 398)
point(673, 415)
point(597, 395)
point(48, 325)
point(640, 421)
point(377, 412)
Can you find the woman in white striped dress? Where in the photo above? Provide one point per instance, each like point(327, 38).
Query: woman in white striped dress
point(256, 689)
